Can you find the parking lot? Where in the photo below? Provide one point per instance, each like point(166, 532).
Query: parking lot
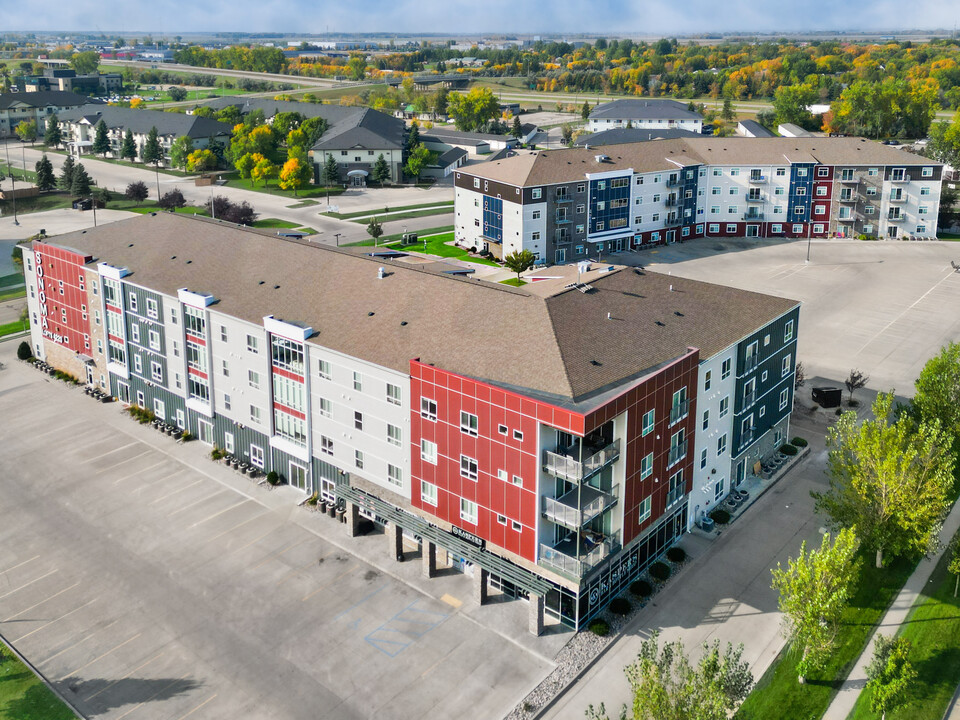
point(145, 581)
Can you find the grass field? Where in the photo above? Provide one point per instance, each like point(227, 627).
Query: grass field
point(23, 696)
point(365, 213)
point(385, 239)
point(13, 328)
point(437, 245)
point(514, 282)
point(445, 210)
point(13, 294)
point(311, 191)
point(779, 695)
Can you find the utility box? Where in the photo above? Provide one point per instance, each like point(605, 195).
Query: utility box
point(408, 239)
point(828, 397)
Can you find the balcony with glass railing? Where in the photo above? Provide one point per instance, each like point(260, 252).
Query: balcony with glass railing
point(898, 198)
point(896, 218)
point(753, 216)
point(564, 463)
point(749, 399)
point(677, 453)
point(679, 411)
point(592, 502)
point(577, 558)
point(757, 178)
point(750, 363)
point(675, 496)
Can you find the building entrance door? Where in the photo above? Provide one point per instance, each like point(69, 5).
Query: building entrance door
point(298, 476)
point(753, 231)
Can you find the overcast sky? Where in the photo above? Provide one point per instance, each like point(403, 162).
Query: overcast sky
point(640, 17)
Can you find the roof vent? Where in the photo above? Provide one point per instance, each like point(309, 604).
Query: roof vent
point(403, 323)
point(601, 158)
point(173, 257)
point(276, 287)
point(370, 314)
point(671, 288)
point(380, 273)
point(678, 313)
point(596, 362)
point(189, 262)
point(130, 245)
point(661, 324)
point(608, 317)
point(260, 283)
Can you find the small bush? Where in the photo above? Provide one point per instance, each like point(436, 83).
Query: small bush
point(839, 412)
point(641, 588)
point(599, 627)
point(853, 403)
point(799, 442)
point(720, 516)
point(272, 477)
point(659, 571)
point(312, 500)
point(24, 352)
point(620, 606)
point(676, 554)
point(141, 415)
point(217, 453)
point(187, 436)
point(788, 449)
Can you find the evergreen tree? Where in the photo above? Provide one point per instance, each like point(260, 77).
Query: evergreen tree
point(413, 136)
point(101, 141)
point(52, 137)
point(516, 130)
point(152, 152)
point(585, 110)
point(66, 173)
point(46, 180)
point(128, 149)
point(331, 173)
point(80, 184)
point(381, 170)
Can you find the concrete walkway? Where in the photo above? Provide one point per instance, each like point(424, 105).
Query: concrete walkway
point(846, 698)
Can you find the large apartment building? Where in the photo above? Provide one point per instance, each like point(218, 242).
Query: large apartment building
point(567, 205)
point(553, 440)
point(657, 114)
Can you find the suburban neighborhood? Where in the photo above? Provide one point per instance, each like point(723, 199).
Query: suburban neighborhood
point(593, 373)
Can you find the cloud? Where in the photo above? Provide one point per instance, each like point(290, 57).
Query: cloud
point(614, 17)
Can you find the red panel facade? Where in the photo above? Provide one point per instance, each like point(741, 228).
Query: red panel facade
point(62, 296)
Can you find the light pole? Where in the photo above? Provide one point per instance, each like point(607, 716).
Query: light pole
point(808, 247)
point(337, 236)
point(13, 182)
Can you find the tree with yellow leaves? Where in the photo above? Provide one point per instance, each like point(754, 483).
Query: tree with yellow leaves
point(296, 171)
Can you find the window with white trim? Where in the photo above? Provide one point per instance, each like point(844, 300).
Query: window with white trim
point(394, 435)
point(468, 511)
point(784, 398)
point(785, 367)
point(428, 451)
point(469, 468)
point(153, 311)
point(428, 409)
point(256, 456)
point(648, 422)
point(469, 423)
point(428, 493)
point(394, 475)
point(644, 509)
point(393, 394)
point(646, 466)
point(324, 369)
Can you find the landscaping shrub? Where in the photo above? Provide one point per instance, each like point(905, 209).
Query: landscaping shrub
point(599, 627)
point(24, 352)
point(217, 453)
point(312, 500)
point(272, 477)
point(839, 412)
point(659, 571)
point(720, 516)
point(187, 436)
point(853, 403)
point(141, 415)
point(799, 442)
point(676, 554)
point(788, 449)
point(620, 606)
point(641, 588)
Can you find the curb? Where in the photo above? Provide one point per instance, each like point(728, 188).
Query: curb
point(541, 712)
point(43, 679)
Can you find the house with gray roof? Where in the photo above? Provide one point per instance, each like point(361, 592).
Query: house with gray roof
point(16, 108)
point(751, 128)
point(79, 129)
point(355, 139)
point(619, 136)
point(644, 113)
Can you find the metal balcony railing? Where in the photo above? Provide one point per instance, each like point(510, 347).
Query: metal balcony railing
point(898, 198)
point(673, 181)
point(896, 218)
point(563, 198)
point(753, 216)
point(848, 199)
point(677, 453)
point(757, 178)
point(749, 399)
point(899, 179)
point(750, 363)
point(679, 411)
point(675, 496)
point(755, 198)
point(671, 201)
point(594, 502)
point(852, 179)
point(563, 463)
point(563, 556)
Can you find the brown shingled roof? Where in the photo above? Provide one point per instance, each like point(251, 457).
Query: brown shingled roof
point(562, 345)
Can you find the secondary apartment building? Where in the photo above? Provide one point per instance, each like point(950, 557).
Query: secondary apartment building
point(37, 106)
point(566, 205)
point(80, 128)
point(550, 444)
point(653, 114)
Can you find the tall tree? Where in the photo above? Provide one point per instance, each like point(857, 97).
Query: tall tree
point(790, 104)
point(85, 63)
point(474, 109)
point(180, 150)
point(585, 110)
point(27, 131)
point(889, 674)
point(101, 139)
point(263, 170)
point(128, 148)
point(358, 66)
point(66, 173)
point(520, 261)
point(152, 152)
point(201, 160)
point(814, 589)
point(296, 171)
point(80, 184)
point(381, 170)
point(52, 137)
point(374, 229)
point(954, 566)
point(516, 129)
point(331, 171)
point(417, 159)
point(665, 685)
point(938, 389)
point(855, 381)
point(46, 180)
point(413, 135)
point(890, 481)
point(137, 191)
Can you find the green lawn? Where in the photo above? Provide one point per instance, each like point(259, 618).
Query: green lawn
point(446, 210)
point(127, 163)
point(18, 173)
point(11, 280)
point(275, 223)
point(933, 628)
point(948, 236)
point(515, 282)
point(23, 696)
point(40, 203)
point(13, 328)
point(443, 229)
point(437, 245)
point(13, 294)
point(365, 213)
point(779, 695)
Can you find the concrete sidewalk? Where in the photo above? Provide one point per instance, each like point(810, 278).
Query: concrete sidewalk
point(847, 696)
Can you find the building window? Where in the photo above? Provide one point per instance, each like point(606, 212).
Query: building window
point(326, 445)
point(784, 397)
point(137, 364)
point(228, 442)
point(133, 298)
point(226, 402)
point(156, 372)
point(134, 330)
point(428, 493)
point(648, 422)
point(357, 420)
point(469, 423)
point(325, 407)
point(428, 409)
point(358, 459)
point(153, 311)
point(394, 475)
point(255, 414)
point(468, 511)
point(536, 193)
point(394, 435)
point(256, 456)
point(154, 340)
point(253, 344)
point(517, 435)
point(706, 419)
point(468, 468)
point(428, 451)
point(788, 331)
point(703, 458)
point(718, 490)
point(223, 333)
point(724, 406)
point(501, 519)
point(535, 215)
point(646, 466)
point(785, 367)
point(707, 377)
point(357, 381)
point(518, 481)
point(253, 377)
point(926, 172)
point(324, 368)
point(722, 444)
point(644, 509)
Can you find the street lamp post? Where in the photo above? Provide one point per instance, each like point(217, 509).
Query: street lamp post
point(337, 236)
point(13, 183)
point(808, 247)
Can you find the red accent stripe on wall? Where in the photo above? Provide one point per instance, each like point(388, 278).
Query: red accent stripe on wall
point(289, 411)
point(195, 339)
point(198, 373)
point(287, 374)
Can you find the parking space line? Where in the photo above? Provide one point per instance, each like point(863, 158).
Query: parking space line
point(255, 540)
point(197, 502)
point(40, 603)
point(330, 582)
point(19, 565)
point(29, 583)
point(115, 647)
point(107, 687)
point(197, 707)
point(146, 469)
point(221, 512)
point(238, 525)
point(24, 637)
point(111, 452)
point(161, 690)
point(295, 571)
point(116, 465)
point(70, 647)
point(275, 555)
point(164, 497)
